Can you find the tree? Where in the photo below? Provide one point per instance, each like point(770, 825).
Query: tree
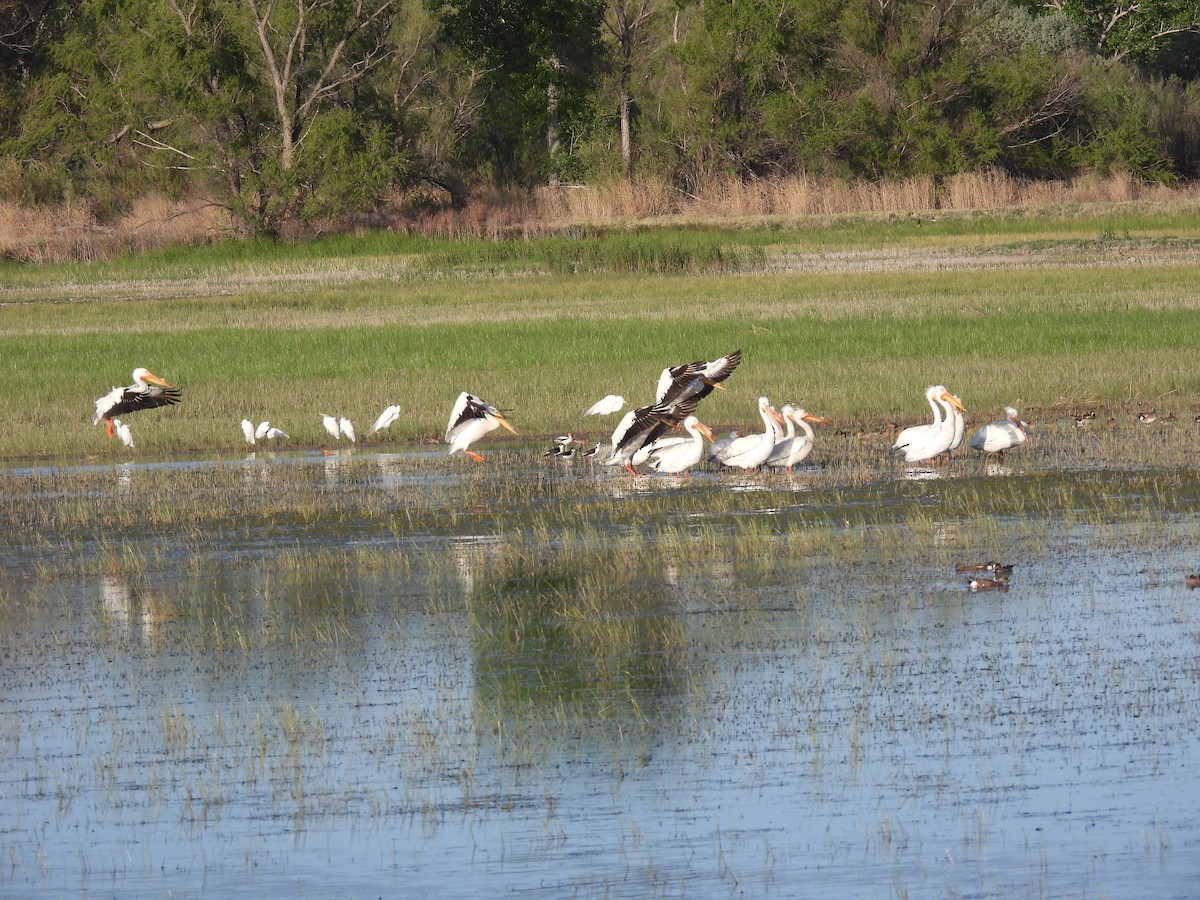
point(625, 20)
point(538, 61)
point(1138, 30)
point(266, 106)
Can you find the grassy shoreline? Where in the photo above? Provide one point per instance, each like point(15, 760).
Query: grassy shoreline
point(851, 320)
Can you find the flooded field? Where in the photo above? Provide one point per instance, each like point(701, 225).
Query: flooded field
point(380, 673)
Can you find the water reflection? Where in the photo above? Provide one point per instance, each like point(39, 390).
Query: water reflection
point(404, 672)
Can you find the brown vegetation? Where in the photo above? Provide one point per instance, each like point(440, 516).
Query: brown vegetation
point(74, 232)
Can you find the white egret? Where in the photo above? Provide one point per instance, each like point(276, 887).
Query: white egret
point(470, 420)
point(606, 406)
point(1001, 435)
point(923, 442)
point(386, 418)
point(794, 448)
point(331, 425)
point(752, 450)
point(346, 427)
point(123, 432)
point(147, 392)
point(248, 431)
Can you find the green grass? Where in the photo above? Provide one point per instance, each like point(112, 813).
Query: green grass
point(544, 327)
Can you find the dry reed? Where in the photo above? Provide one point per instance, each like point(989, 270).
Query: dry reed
point(72, 231)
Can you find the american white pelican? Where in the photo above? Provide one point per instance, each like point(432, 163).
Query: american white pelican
point(470, 420)
point(717, 448)
point(794, 448)
point(643, 426)
point(681, 456)
point(606, 407)
point(146, 392)
point(679, 384)
point(248, 431)
point(386, 418)
point(1001, 435)
point(922, 442)
point(123, 432)
point(960, 424)
point(752, 450)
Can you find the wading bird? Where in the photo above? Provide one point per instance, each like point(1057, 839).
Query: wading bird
point(146, 392)
point(752, 450)
point(1001, 435)
point(643, 426)
point(470, 420)
point(606, 407)
point(123, 432)
point(386, 418)
point(679, 384)
point(338, 427)
point(794, 448)
point(923, 442)
point(678, 457)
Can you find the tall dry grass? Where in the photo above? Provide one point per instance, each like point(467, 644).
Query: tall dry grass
point(73, 233)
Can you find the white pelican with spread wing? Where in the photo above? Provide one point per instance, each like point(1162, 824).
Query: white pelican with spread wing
point(679, 384)
point(470, 420)
point(147, 392)
point(643, 426)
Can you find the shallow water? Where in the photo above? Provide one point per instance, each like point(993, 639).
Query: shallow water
point(387, 674)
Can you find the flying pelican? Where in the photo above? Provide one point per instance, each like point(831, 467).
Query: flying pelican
point(682, 455)
point(794, 448)
point(1001, 435)
point(386, 418)
point(752, 450)
point(607, 406)
point(470, 420)
point(123, 432)
point(679, 384)
point(643, 426)
point(922, 442)
point(146, 392)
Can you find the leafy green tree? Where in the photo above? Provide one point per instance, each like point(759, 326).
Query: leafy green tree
point(1146, 32)
point(268, 107)
point(539, 60)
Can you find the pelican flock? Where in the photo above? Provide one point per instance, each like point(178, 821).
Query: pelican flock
point(664, 436)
